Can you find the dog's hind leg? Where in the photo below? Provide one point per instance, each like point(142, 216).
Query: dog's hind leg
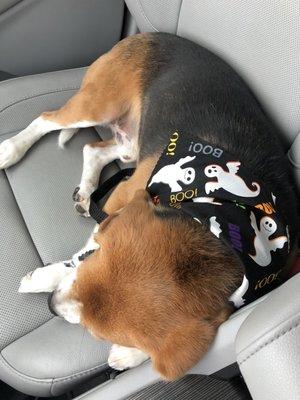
point(110, 93)
point(95, 157)
point(14, 148)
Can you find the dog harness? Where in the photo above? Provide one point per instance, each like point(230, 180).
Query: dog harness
point(217, 190)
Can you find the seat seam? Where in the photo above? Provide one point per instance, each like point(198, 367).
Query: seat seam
point(11, 7)
point(273, 339)
point(32, 96)
point(36, 250)
point(22, 217)
point(145, 16)
point(47, 381)
point(78, 374)
point(179, 12)
point(291, 160)
point(23, 376)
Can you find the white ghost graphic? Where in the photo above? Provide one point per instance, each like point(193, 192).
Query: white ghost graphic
point(171, 174)
point(229, 181)
point(237, 296)
point(209, 200)
point(215, 226)
point(262, 244)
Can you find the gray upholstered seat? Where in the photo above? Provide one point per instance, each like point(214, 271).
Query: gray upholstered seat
point(42, 355)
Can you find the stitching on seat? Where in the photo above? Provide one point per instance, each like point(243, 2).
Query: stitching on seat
point(145, 16)
point(294, 163)
point(47, 381)
point(87, 371)
point(279, 335)
point(24, 222)
point(11, 7)
point(57, 381)
point(38, 95)
point(179, 12)
point(22, 376)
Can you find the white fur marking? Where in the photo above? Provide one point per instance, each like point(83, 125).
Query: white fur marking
point(121, 357)
point(65, 135)
point(94, 160)
point(13, 149)
point(45, 279)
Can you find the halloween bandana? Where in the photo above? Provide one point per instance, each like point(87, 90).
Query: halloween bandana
point(216, 188)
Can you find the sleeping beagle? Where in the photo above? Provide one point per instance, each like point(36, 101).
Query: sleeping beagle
point(208, 219)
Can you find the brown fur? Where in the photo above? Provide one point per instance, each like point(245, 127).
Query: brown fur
point(111, 88)
point(167, 298)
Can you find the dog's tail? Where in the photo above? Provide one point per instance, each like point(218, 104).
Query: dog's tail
point(65, 135)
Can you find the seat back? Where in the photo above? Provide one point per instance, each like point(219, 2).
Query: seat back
point(260, 39)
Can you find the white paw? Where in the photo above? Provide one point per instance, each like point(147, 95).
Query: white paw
point(82, 202)
point(45, 279)
point(121, 357)
point(32, 283)
point(10, 153)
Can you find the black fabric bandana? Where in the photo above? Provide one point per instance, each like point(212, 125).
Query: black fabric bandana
point(215, 188)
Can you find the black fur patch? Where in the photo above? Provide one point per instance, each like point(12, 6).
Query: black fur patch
point(85, 255)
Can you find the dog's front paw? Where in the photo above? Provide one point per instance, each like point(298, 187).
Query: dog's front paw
point(44, 279)
point(121, 357)
point(32, 282)
point(10, 153)
point(82, 202)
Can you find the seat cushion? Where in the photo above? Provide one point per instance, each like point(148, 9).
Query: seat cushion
point(41, 355)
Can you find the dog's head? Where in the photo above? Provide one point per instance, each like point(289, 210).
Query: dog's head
point(158, 283)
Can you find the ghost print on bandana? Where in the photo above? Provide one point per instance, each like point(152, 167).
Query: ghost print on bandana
point(217, 189)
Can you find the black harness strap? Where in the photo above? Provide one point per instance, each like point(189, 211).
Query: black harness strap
point(96, 213)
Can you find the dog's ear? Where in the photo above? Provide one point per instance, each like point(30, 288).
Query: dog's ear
point(182, 348)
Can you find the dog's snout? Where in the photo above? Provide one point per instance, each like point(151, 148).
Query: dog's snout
point(50, 304)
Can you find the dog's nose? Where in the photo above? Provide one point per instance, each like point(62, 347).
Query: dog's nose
point(50, 297)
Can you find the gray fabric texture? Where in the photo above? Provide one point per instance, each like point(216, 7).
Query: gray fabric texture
point(261, 40)
point(56, 229)
point(62, 352)
point(41, 35)
point(23, 99)
point(267, 345)
point(39, 225)
point(18, 314)
point(6, 4)
point(155, 15)
point(80, 353)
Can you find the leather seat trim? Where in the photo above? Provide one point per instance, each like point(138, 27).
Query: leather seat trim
point(283, 328)
point(51, 382)
point(146, 19)
point(72, 88)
